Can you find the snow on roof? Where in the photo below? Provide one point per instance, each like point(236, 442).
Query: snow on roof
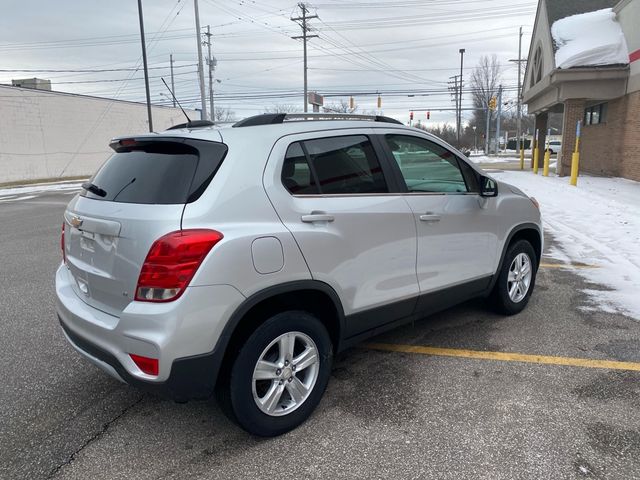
point(592, 38)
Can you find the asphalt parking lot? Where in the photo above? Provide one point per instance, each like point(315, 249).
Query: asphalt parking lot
point(389, 412)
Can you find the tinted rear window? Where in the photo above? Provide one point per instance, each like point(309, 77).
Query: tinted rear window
point(161, 172)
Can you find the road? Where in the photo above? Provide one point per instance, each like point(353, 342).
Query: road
point(386, 414)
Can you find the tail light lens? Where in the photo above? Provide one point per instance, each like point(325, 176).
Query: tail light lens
point(64, 255)
point(146, 364)
point(172, 262)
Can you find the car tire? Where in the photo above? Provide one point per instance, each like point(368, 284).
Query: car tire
point(508, 296)
point(251, 400)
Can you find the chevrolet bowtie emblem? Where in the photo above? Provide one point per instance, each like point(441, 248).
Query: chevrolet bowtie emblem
point(75, 221)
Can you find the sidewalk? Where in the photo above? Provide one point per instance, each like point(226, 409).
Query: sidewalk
point(597, 222)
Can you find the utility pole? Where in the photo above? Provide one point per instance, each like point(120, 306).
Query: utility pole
point(173, 87)
point(462, 50)
point(211, 63)
point(303, 19)
point(519, 110)
point(144, 63)
point(456, 95)
point(498, 119)
point(519, 61)
point(203, 100)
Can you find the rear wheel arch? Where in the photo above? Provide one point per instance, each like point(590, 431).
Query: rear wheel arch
point(310, 296)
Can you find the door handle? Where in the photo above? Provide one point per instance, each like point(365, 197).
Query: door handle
point(430, 218)
point(317, 217)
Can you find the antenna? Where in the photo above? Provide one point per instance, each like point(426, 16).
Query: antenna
point(175, 99)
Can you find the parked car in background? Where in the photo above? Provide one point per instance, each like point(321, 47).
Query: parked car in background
point(555, 146)
point(242, 259)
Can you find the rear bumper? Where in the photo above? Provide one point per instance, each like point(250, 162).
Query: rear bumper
point(182, 335)
point(190, 378)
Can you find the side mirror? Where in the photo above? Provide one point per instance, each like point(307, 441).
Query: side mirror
point(488, 187)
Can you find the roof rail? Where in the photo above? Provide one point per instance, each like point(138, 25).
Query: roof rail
point(192, 124)
point(275, 118)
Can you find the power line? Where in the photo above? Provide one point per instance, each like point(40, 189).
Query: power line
point(98, 70)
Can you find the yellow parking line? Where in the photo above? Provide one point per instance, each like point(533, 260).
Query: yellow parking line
point(506, 356)
point(567, 265)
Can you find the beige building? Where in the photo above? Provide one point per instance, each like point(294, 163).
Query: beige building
point(49, 135)
point(588, 68)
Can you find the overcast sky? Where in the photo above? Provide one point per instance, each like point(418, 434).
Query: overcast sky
point(395, 47)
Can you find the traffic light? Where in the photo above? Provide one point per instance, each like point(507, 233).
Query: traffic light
point(492, 103)
point(428, 115)
point(411, 116)
point(352, 103)
point(379, 101)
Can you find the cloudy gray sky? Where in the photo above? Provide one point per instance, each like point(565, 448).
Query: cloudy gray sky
point(395, 47)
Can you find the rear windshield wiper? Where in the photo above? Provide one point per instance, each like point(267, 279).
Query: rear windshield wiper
point(96, 190)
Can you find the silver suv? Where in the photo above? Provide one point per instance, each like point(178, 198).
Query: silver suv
point(240, 260)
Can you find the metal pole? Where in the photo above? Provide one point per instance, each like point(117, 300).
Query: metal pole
point(487, 143)
point(203, 100)
point(304, 41)
point(519, 113)
point(173, 87)
point(498, 119)
point(210, 61)
point(144, 63)
point(462, 50)
point(304, 38)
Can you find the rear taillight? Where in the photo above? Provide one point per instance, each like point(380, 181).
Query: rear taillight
point(64, 255)
point(146, 364)
point(172, 262)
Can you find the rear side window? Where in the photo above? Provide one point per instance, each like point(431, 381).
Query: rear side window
point(342, 165)
point(296, 174)
point(159, 172)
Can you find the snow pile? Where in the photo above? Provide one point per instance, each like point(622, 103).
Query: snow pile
point(592, 38)
point(40, 188)
point(596, 223)
point(493, 159)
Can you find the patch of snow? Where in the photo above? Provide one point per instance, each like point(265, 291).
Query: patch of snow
point(596, 223)
point(40, 188)
point(492, 159)
point(592, 38)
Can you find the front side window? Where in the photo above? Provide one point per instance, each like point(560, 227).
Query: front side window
point(426, 166)
point(335, 165)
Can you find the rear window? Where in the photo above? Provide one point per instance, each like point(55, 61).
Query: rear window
point(159, 172)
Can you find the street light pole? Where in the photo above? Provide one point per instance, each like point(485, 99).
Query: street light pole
point(144, 63)
point(519, 114)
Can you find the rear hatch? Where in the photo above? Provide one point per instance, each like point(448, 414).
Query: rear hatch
point(137, 196)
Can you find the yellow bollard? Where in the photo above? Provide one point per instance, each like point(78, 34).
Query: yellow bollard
point(536, 154)
point(521, 158)
point(575, 161)
point(575, 158)
point(545, 168)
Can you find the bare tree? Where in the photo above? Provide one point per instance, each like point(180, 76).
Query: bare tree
point(340, 107)
point(443, 131)
point(224, 114)
point(485, 80)
point(282, 108)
